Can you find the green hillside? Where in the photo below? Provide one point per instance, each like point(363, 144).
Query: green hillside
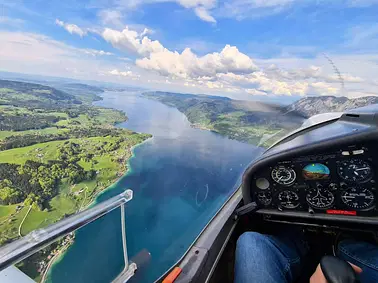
point(57, 152)
point(244, 121)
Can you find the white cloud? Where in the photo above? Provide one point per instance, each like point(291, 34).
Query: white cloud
point(94, 52)
point(204, 15)
point(294, 74)
point(41, 55)
point(231, 70)
point(196, 3)
point(225, 71)
point(129, 74)
point(310, 73)
point(357, 71)
point(146, 31)
point(131, 41)
point(71, 28)
point(124, 59)
point(323, 88)
point(189, 65)
point(347, 78)
point(261, 82)
point(201, 8)
point(110, 17)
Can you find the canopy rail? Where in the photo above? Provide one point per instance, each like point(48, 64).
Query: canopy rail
point(36, 240)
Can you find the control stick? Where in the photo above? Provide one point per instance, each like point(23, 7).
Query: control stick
point(336, 270)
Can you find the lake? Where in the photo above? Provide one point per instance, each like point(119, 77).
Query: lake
point(180, 178)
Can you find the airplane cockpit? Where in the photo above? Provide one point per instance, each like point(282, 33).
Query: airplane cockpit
point(321, 179)
point(329, 171)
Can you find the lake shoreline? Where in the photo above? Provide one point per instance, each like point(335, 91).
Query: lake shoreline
point(126, 170)
point(166, 173)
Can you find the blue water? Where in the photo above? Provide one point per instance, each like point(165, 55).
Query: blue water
point(180, 178)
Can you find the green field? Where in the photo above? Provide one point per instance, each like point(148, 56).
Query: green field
point(71, 197)
point(48, 126)
point(6, 210)
point(20, 155)
point(52, 130)
point(60, 205)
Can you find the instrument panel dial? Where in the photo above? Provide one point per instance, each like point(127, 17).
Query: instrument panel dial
point(358, 198)
point(283, 175)
point(354, 170)
point(320, 198)
point(288, 199)
point(265, 198)
point(333, 183)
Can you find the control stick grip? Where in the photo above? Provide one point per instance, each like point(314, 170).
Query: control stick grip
point(336, 270)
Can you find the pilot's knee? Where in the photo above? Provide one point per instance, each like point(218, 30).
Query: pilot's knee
point(248, 239)
point(358, 251)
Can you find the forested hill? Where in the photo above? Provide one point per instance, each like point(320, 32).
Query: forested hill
point(57, 152)
point(83, 92)
point(58, 94)
point(249, 121)
point(27, 106)
point(37, 89)
point(21, 93)
point(241, 120)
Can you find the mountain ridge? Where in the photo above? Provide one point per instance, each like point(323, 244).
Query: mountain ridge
point(250, 121)
point(312, 105)
point(244, 121)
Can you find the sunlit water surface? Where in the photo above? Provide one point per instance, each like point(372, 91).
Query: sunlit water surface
point(180, 178)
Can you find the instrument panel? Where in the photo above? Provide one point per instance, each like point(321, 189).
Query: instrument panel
point(340, 182)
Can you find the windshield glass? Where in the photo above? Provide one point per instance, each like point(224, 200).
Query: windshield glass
point(171, 99)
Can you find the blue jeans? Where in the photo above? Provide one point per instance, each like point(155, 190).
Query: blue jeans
point(277, 259)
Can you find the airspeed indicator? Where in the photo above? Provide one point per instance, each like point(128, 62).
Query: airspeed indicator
point(283, 175)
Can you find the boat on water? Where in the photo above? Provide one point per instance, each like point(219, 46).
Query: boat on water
point(320, 178)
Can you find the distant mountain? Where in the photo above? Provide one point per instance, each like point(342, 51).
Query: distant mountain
point(58, 94)
point(84, 87)
point(29, 94)
point(83, 92)
point(253, 121)
point(247, 121)
point(310, 106)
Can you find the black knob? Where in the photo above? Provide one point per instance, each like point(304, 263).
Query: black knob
point(319, 186)
point(336, 270)
point(343, 186)
point(333, 186)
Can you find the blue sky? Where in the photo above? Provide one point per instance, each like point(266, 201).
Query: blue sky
point(249, 47)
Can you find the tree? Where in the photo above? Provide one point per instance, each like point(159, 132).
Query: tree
point(34, 201)
point(9, 195)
